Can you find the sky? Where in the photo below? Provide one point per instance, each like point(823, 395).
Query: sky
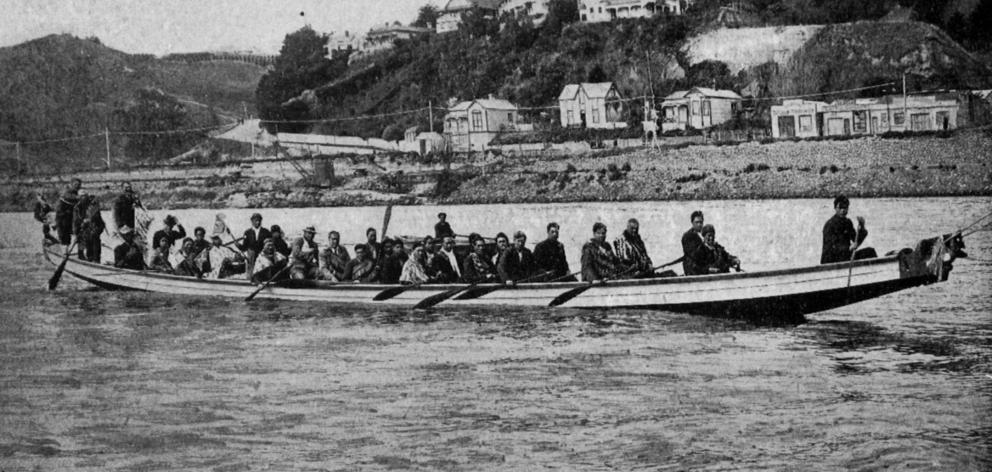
point(169, 26)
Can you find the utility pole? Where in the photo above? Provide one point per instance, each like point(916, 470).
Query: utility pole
point(905, 118)
point(430, 114)
point(106, 138)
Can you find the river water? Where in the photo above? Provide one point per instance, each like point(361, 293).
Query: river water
point(95, 380)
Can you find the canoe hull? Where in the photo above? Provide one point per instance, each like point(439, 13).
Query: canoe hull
point(781, 294)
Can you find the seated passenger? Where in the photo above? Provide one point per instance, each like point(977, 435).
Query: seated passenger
point(161, 256)
point(598, 260)
point(362, 268)
point(841, 242)
point(517, 262)
point(502, 244)
point(712, 256)
point(269, 264)
point(279, 241)
point(445, 264)
point(223, 261)
point(200, 242)
point(303, 257)
point(333, 258)
point(415, 268)
point(392, 263)
point(549, 256)
point(632, 252)
point(430, 250)
point(128, 255)
point(477, 268)
point(184, 260)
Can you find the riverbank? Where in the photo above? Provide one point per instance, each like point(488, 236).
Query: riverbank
point(954, 165)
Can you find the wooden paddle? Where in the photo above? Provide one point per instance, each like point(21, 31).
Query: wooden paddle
point(560, 299)
point(480, 291)
point(57, 276)
point(267, 282)
point(435, 299)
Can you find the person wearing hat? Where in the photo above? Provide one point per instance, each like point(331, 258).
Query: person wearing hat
point(160, 256)
point(124, 206)
point(517, 262)
point(64, 210)
point(171, 230)
point(442, 228)
point(89, 226)
point(254, 240)
point(840, 240)
point(303, 257)
point(128, 255)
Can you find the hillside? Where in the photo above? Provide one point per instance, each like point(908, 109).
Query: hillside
point(60, 86)
point(644, 56)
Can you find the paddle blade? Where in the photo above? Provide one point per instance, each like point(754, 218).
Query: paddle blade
point(385, 219)
point(54, 280)
point(391, 292)
point(477, 292)
point(435, 299)
point(561, 299)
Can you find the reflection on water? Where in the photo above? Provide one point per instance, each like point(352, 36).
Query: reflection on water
point(96, 380)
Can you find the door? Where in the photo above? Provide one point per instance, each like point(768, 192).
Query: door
point(786, 126)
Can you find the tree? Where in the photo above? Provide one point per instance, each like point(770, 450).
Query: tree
point(560, 13)
point(302, 64)
point(426, 17)
point(153, 110)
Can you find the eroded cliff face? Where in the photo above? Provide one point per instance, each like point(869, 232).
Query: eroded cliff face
point(743, 48)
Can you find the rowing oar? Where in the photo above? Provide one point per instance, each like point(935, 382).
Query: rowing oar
point(438, 298)
point(267, 282)
point(480, 291)
point(54, 280)
point(561, 299)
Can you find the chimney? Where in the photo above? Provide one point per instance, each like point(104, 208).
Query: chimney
point(490, 96)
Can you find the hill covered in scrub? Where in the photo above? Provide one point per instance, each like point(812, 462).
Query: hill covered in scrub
point(60, 86)
point(529, 65)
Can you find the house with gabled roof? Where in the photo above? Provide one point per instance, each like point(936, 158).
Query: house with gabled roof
point(699, 108)
point(591, 105)
point(450, 16)
point(470, 125)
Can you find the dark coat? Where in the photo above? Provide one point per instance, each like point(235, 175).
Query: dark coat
point(476, 268)
point(392, 268)
point(838, 234)
point(123, 210)
point(691, 242)
point(516, 264)
point(707, 260)
point(129, 256)
point(253, 243)
point(361, 270)
point(281, 246)
point(442, 269)
point(173, 235)
point(443, 229)
point(550, 255)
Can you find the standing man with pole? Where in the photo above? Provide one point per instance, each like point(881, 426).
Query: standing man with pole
point(64, 211)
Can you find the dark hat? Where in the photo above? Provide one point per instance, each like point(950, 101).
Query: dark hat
point(256, 216)
point(310, 229)
point(169, 219)
point(708, 229)
point(275, 228)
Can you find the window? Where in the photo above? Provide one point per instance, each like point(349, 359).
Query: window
point(695, 107)
point(805, 123)
point(706, 108)
point(898, 118)
point(919, 121)
point(569, 117)
point(477, 120)
point(509, 117)
point(860, 121)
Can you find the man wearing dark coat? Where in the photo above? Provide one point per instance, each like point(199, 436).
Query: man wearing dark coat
point(279, 241)
point(442, 228)
point(41, 211)
point(124, 205)
point(549, 255)
point(445, 264)
point(598, 260)
point(333, 258)
point(362, 268)
point(88, 225)
point(172, 230)
point(392, 263)
point(64, 211)
point(711, 257)
point(840, 239)
point(691, 241)
point(254, 241)
point(517, 262)
point(128, 255)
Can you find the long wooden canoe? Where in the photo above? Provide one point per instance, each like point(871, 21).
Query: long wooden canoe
point(782, 293)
